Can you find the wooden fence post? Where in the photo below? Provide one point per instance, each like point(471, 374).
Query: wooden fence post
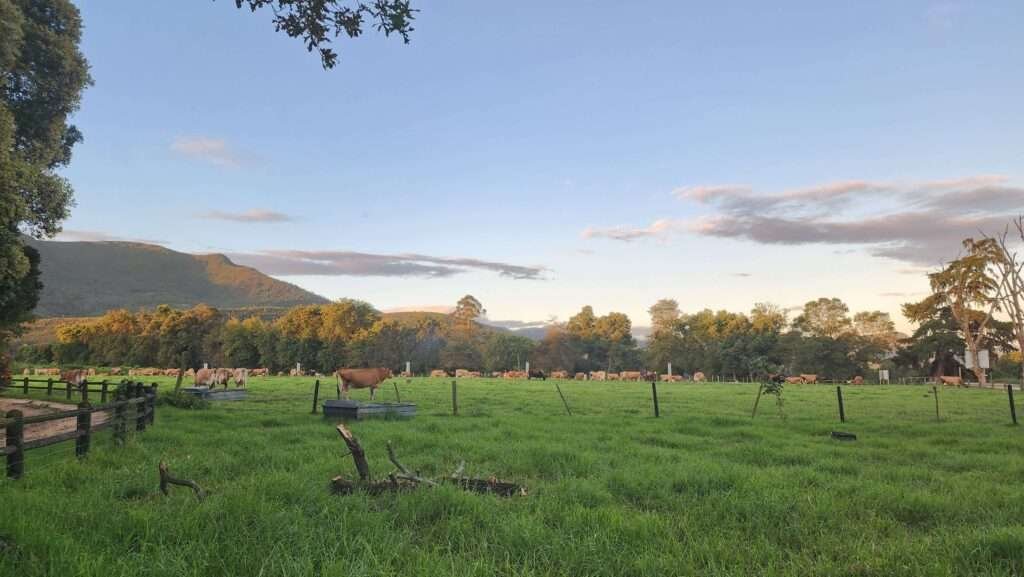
point(935, 392)
point(103, 391)
point(151, 411)
point(67, 390)
point(119, 416)
point(49, 387)
point(842, 409)
point(455, 400)
point(316, 394)
point(654, 395)
point(84, 389)
point(84, 428)
point(140, 408)
point(757, 400)
point(15, 440)
point(1013, 407)
point(25, 385)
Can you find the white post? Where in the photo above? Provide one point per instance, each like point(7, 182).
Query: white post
point(527, 369)
point(298, 368)
point(206, 365)
point(408, 368)
point(670, 370)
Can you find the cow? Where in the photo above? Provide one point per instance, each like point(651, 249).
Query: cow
point(956, 381)
point(224, 377)
point(76, 377)
point(630, 375)
point(809, 379)
point(172, 372)
point(438, 374)
point(240, 376)
point(537, 375)
point(794, 380)
point(858, 380)
point(26, 372)
point(580, 376)
point(699, 377)
point(114, 371)
point(260, 372)
point(648, 376)
point(559, 375)
point(206, 378)
point(462, 373)
point(612, 376)
point(361, 379)
point(598, 375)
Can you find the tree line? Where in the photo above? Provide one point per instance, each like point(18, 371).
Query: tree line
point(823, 338)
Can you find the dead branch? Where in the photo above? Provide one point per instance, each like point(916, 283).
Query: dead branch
point(354, 449)
point(166, 479)
point(403, 479)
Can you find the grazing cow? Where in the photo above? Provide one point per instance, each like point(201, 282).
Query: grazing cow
point(361, 379)
point(114, 371)
point(26, 372)
point(699, 377)
point(172, 372)
point(858, 380)
point(648, 376)
point(438, 374)
point(809, 379)
point(515, 375)
point(206, 378)
point(630, 375)
point(794, 380)
point(612, 376)
point(190, 373)
point(462, 373)
point(76, 377)
point(598, 375)
point(955, 381)
point(580, 376)
point(240, 376)
point(260, 372)
point(559, 375)
point(537, 375)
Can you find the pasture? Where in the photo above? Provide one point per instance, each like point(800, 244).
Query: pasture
point(703, 490)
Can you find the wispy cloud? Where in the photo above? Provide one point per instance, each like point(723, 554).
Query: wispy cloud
point(348, 263)
point(254, 215)
point(73, 235)
point(215, 151)
point(444, 309)
point(657, 229)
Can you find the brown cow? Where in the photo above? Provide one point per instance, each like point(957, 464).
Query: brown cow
point(76, 377)
point(580, 376)
point(361, 379)
point(559, 375)
point(598, 375)
point(956, 381)
point(699, 377)
point(241, 376)
point(809, 379)
point(206, 378)
point(858, 380)
point(438, 373)
point(630, 375)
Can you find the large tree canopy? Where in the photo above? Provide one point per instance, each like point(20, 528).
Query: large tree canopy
point(317, 21)
point(42, 75)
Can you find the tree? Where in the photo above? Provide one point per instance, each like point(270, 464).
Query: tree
point(467, 310)
point(316, 21)
point(825, 317)
point(504, 352)
point(42, 75)
point(971, 294)
point(767, 318)
point(581, 325)
point(1009, 273)
point(664, 315)
point(556, 352)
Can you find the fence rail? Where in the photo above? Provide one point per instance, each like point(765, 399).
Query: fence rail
point(128, 395)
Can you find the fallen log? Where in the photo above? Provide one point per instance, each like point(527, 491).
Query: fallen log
point(404, 479)
point(166, 479)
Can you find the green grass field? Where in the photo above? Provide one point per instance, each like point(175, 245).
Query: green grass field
point(704, 490)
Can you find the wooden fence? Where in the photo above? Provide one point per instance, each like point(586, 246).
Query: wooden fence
point(138, 398)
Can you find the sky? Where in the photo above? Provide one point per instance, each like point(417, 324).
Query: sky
point(543, 156)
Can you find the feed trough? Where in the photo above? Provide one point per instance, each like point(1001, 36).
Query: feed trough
point(216, 394)
point(357, 411)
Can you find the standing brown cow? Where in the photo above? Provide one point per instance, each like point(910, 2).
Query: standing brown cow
point(361, 379)
point(206, 378)
point(75, 377)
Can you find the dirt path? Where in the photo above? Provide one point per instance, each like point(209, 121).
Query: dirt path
point(30, 407)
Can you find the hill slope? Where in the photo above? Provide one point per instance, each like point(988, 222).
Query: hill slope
point(89, 278)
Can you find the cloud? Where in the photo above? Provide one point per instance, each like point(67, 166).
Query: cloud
point(659, 228)
point(212, 150)
point(254, 215)
point(742, 274)
point(349, 263)
point(705, 193)
point(73, 235)
point(921, 223)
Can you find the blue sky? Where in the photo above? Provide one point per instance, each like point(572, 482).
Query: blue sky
point(613, 154)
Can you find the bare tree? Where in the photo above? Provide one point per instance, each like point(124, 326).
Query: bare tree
point(1009, 274)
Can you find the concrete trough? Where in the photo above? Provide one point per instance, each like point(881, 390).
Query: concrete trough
point(216, 394)
point(356, 411)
